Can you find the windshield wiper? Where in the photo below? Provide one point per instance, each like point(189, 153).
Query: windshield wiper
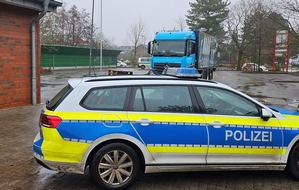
point(174, 54)
point(159, 53)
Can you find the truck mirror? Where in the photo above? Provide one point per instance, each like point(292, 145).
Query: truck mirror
point(149, 47)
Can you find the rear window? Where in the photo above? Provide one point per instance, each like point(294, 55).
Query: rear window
point(51, 105)
point(105, 99)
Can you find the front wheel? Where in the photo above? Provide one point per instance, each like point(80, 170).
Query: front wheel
point(293, 162)
point(115, 166)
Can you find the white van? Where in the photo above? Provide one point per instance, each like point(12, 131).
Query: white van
point(144, 62)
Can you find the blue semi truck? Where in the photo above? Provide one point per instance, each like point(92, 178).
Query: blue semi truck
point(184, 49)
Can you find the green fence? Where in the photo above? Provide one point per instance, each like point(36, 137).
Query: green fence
point(66, 56)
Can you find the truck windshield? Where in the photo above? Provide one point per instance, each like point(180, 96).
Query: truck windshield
point(169, 48)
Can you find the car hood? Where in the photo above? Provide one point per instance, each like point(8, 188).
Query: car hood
point(287, 113)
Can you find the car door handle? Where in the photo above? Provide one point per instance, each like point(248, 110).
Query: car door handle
point(217, 124)
point(144, 122)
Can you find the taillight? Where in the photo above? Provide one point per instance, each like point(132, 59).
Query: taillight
point(49, 121)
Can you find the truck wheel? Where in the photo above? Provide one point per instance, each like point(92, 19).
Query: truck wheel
point(211, 74)
point(204, 74)
point(293, 162)
point(142, 67)
point(115, 166)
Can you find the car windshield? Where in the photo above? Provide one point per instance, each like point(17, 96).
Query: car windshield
point(169, 48)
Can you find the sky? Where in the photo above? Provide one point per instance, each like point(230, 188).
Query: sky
point(119, 15)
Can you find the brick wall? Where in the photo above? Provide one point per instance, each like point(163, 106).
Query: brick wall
point(15, 56)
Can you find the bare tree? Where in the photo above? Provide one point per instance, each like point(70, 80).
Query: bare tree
point(290, 11)
point(137, 36)
point(69, 27)
point(107, 43)
point(78, 27)
point(66, 27)
point(52, 27)
point(239, 26)
point(180, 24)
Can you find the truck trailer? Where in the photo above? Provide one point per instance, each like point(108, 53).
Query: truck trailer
point(184, 49)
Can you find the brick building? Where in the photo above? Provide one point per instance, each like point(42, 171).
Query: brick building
point(19, 65)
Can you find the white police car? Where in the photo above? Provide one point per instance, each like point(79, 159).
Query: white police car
point(121, 126)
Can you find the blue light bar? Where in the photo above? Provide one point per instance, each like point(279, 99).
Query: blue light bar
point(182, 72)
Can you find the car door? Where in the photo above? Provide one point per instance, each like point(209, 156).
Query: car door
point(237, 133)
point(167, 120)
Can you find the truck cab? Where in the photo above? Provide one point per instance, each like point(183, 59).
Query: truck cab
point(173, 49)
point(192, 49)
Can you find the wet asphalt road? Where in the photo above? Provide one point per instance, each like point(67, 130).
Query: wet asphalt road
point(18, 127)
point(272, 89)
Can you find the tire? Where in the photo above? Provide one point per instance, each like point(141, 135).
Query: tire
point(293, 162)
point(211, 74)
point(142, 67)
point(115, 176)
point(204, 74)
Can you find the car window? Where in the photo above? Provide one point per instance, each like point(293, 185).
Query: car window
point(106, 98)
point(162, 99)
point(56, 100)
point(223, 102)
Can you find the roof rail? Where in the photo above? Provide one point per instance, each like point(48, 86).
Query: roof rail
point(145, 77)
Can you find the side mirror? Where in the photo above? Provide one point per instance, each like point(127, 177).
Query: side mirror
point(266, 115)
point(149, 47)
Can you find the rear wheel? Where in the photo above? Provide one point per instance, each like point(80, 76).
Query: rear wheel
point(293, 162)
point(204, 74)
point(115, 166)
point(142, 67)
point(211, 74)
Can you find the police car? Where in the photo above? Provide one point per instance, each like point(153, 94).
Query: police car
point(121, 126)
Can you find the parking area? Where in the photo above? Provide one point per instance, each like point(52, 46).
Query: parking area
point(18, 128)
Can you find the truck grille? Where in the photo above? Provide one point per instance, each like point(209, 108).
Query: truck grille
point(160, 66)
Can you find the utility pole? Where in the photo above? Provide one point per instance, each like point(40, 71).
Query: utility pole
point(91, 39)
point(101, 48)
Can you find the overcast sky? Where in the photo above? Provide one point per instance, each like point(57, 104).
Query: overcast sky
point(119, 15)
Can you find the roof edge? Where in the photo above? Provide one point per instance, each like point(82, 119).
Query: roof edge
point(33, 4)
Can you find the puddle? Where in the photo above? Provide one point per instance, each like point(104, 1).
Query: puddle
point(286, 81)
point(295, 103)
point(49, 84)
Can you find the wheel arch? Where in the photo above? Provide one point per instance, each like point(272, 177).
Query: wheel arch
point(137, 146)
point(289, 149)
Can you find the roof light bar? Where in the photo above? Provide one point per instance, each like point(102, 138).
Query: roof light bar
point(181, 72)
